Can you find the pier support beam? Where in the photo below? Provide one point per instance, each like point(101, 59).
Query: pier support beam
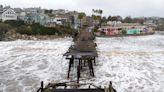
point(71, 60)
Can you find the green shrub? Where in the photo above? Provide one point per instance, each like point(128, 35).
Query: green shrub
point(15, 23)
point(4, 27)
point(123, 31)
point(96, 29)
point(24, 30)
point(37, 29)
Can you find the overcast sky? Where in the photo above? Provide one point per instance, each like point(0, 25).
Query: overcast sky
point(134, 8)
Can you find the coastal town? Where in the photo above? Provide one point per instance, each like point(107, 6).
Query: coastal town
point(101, 25)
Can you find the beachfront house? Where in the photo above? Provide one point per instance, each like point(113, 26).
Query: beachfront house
point(60, 20)
point(18, 10)
point(7, 14)
point(109, 30)
point(133, 31)
point(21, 15)
point(118, 28)
point(42, 19)
point(113, 23)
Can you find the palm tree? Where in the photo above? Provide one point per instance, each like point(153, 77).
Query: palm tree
point(93, 10)
point(100, 12)
point(97, 15)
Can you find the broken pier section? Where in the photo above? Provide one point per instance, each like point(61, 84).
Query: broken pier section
point(82, 51)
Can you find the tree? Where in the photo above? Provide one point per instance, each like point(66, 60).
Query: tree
point(104, 19)
point(101, 11)
point(109, 18)
point(97, 13)
point(114, 18)
point(48, 11)
point(94, 17)
point(128, 19)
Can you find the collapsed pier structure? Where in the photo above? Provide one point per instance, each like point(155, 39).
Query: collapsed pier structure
point(82, 53)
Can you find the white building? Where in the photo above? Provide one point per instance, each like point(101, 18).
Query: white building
point(33, 10)
point(59, 11)
point(114, 23)
point(21, 15)
point(58, 21)
point(8, 14)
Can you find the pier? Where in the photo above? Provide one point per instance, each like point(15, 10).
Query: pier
point(82, 51)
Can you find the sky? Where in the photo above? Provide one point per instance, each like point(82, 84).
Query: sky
point(134, 8)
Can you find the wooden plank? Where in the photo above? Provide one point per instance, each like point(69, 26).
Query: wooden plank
point(77, 90)
point(81, 54)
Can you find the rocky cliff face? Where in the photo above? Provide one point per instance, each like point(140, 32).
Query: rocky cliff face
point(12, 35)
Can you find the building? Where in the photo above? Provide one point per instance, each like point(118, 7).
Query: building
point(129, 24)
point(133, 31)
point(60, 20)
point(33, 10)
point(42, 19)
point(18, 10)
point(21, 16)
point(113, 23)
point(109, 30)
point(74, 20)
point(125, 28)
point(8, 14)
point(59, 12)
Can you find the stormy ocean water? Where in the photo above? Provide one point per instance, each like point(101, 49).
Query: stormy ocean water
point(133, 64)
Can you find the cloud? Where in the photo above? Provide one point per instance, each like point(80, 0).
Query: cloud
point(110, 7)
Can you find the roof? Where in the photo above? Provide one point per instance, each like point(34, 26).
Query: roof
point(5, 9)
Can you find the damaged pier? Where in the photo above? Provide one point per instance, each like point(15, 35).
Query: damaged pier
point(82, 51)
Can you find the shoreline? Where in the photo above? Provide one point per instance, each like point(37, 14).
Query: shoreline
point(14, 37)
point(125, 35)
